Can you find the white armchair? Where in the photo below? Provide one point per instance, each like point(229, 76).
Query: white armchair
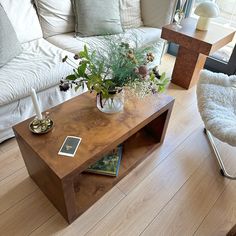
point(216, 94)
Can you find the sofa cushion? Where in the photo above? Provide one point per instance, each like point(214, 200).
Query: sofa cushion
point(56, 17)
point(38, 66)
point(22, 109)
point(9, 44)
point(146, 37)
point(24, 19)
point(130, 12)
point(73, 44)
point(94, 17)
point(157, 13)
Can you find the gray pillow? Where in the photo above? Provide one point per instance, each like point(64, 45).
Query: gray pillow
point(97, 17)
point(10, 47)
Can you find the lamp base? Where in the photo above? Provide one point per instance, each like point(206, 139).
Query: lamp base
point(203, 23)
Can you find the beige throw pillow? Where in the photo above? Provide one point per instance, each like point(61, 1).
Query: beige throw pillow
point(130, 11)
point(56, 16)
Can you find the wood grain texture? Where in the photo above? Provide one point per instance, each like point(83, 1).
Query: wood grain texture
point(222, 217)
point(27, 214)
point(232, 231)
point(188, 65)
point(91, 187)
point(10, 161)
point(205, 42)
point(57, 224)
point(60, 192)
point(180, 127)
point(185, 99)
point(7, 145)
point(195, 46)
point(189, 205)
point(100, 132)
point(141, 128)
point(17, 186)
point(152, 194)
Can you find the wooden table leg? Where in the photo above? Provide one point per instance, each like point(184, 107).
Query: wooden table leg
point(159, 126)
point(187, 67)
point(60, 192)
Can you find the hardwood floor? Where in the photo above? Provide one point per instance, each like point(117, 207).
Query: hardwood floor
point(177, 191)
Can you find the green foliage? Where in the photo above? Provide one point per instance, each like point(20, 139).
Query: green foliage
point(115, 65)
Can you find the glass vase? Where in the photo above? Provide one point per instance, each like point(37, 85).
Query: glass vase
point(113, 103)
point(179, 16)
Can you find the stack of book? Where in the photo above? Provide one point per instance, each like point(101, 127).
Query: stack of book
point(109, 164)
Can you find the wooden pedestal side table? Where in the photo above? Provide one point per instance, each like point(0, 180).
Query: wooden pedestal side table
point(141, 128)
point(194, 47)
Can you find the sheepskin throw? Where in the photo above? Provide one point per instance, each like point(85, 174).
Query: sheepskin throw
point(216, 94)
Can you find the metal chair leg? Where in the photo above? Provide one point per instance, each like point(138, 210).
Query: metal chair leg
point(218, 157)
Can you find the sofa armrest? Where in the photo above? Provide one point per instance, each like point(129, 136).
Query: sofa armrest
point(157, 13)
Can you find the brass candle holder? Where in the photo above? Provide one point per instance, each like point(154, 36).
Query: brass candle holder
point(41, 126)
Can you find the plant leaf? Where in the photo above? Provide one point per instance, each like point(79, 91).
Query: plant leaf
point(71, 77)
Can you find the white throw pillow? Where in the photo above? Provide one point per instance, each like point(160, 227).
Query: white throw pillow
point(24, 19)
point(56, 16)
point(130, 13)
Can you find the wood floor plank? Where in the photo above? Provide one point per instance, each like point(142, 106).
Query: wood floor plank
point(167, 65)
point(228, 154)
point(223, 214)
point(10, 161)
point(185, 212)
point(58, 226)
point(132, 215)
point(222, 217)
point(8, 145)
point(185, 98)
point(15, 188)
point(176, 191)
point(27, 215)
point(177, 132)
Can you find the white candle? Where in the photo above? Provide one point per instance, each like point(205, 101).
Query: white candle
point(36, 104)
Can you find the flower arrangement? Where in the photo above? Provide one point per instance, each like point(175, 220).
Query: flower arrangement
point(114, 67)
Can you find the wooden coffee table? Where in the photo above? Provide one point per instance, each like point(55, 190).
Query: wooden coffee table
point(194, 47)
point(141, 128)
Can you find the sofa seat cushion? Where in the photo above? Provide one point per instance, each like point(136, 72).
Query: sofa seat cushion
point(68, 42)
point(22, 109)
point(38, 66)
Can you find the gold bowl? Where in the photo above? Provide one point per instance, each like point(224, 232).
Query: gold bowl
point(43, 126)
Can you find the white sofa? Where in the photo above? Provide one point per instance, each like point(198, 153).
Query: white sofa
point(39, 65)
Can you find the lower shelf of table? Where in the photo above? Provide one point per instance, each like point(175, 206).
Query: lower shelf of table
point(90, 187)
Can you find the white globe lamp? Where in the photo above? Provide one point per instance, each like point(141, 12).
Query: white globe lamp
point(206, 11)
